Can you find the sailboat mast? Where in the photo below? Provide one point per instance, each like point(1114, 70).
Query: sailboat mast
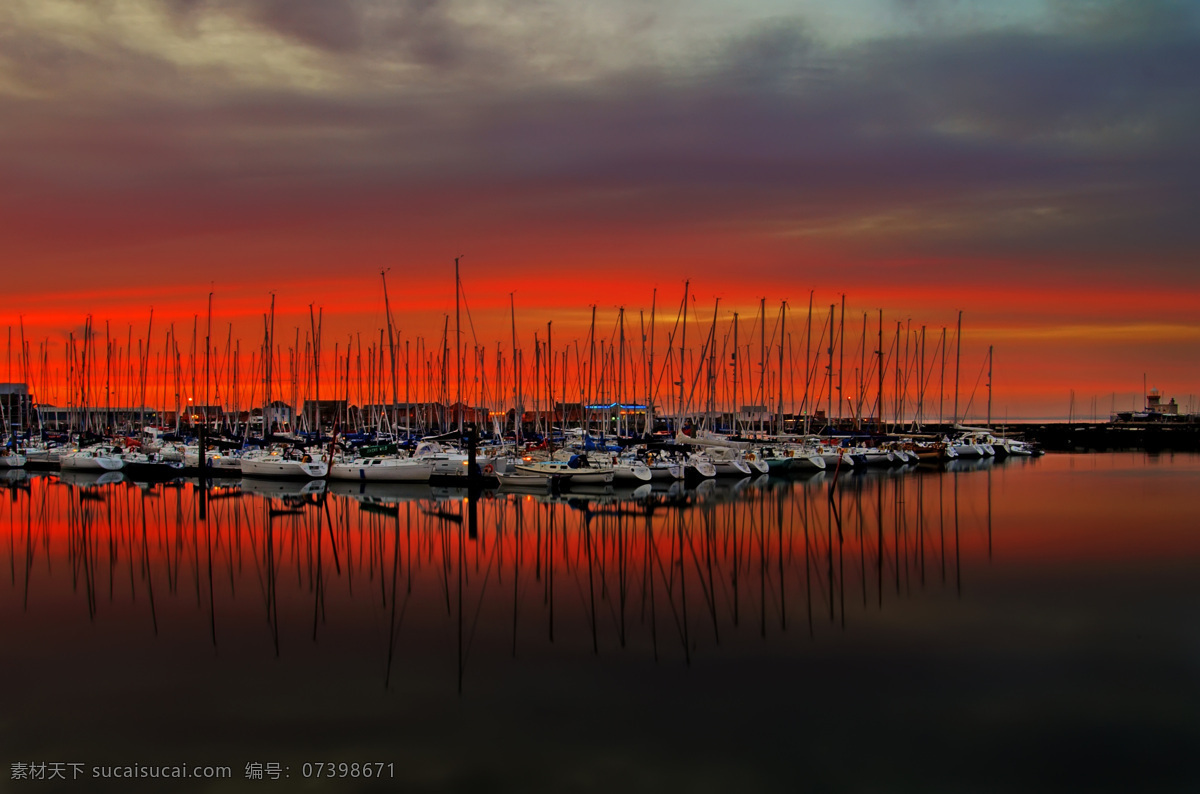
point(989, 385)
point(782, 344)
point(27, 379)
point(711, 365)
point(682, 356)
point(879, 395)
point(650, 367)
point(591, 368)
point(942, 378)
point(829, 375)
point(957, 362)
point(842, 359)
point(736, 411)
point(108, 351)
point(762, 362)
point(207, 368)
point(458, 362)
point(316, 349)
point(407, 394)
point(387, 310)
point(193, 395)
point(808, 367)
point(862, 377)
point(642, 370)
point(537, 383)
point(897, 387)
point(921, 384)
point(146, 367)
point(621, 417)
point(518, 412)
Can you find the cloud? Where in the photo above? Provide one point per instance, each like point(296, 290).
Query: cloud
point(1022, 141)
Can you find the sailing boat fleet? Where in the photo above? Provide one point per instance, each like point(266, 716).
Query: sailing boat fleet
point(550, 456)
point(579, 461)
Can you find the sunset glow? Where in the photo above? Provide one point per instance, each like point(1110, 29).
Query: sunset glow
point(1030, 164)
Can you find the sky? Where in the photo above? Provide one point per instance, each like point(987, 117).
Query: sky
point(1031, 164)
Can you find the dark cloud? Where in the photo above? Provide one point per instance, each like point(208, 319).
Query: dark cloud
point(333, 25)
point(1076, 140)
point(419, 31)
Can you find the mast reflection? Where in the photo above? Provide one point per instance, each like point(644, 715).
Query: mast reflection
point(662, 574)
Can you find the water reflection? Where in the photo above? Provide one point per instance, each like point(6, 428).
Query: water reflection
point(1026, 618)
point(665, 572)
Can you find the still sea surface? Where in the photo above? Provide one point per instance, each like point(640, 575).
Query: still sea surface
point(1024, 625)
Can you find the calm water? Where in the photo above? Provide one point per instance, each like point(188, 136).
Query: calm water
point(1032, 625)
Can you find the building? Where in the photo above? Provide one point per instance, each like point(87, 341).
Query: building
point(16, 404)
point(280, 416)
point(53, 417)
point(330, 412)
point(1156, 411)
point(1155, 405)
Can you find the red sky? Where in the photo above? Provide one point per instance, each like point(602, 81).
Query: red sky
point(1033, 167)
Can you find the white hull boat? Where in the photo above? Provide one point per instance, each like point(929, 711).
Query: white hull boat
point(218, 463)
point(871, 456)
point(665, 472)
point(562, 470)
point(732, 468)
point(278, 466)
point(632, 472)
point(383, 470)
point(522, 481)
point(42, 455)
point(97, 459)
point(810, 461)
point(11, 460)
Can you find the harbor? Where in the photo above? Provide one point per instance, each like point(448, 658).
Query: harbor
point(444, 396)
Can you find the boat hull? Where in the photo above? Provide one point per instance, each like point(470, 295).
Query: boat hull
point(567, 474)
point(284, 469)
point(400, 471)
point(666, 472)
point(636, 473)
point(152, 470)
point(80, 462)
point(732, 468)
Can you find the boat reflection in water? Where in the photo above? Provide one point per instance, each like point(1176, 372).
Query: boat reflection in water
point(698, 560)
point(773, 598)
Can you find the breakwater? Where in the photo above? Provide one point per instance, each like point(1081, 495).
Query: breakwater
point(1103, 436)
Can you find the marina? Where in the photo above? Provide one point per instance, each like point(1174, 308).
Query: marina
point(614, 397)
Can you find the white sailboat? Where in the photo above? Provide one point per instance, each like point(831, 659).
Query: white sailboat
point(631, 470)
point(11, 460)
point(219, 463)
point(284, 464)
point(577, 469)
point(382, 469)
point(98, 458)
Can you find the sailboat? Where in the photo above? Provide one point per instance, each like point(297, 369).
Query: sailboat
point(98, 458)
point(382, 469)
point(11, 460)
point(579, 468)
point(284, 464)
